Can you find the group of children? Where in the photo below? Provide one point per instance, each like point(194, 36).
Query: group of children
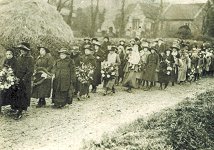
point(138, 63)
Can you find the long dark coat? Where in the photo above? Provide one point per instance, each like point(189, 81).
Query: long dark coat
point(151, 66)
point(65, 78)
point(162, 74)
point(173, 73)
point(99, 57)
point(8, 95)
point(104, 47)
point(43, 90)
point(25, 69)
point(212, 63)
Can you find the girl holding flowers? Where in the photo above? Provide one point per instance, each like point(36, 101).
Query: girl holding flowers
point(85, 73)
point(8, 79)
point(110, 70)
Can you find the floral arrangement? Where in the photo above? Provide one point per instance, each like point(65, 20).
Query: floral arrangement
point(85, 73)
point(7, 78)
point(169, 69)
point(108, 71)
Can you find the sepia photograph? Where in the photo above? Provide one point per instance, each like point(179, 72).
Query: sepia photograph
point(106, 74)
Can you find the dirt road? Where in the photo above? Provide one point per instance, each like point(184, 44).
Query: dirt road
point(64, 129)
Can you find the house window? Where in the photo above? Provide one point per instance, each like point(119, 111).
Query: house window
point(135, 23)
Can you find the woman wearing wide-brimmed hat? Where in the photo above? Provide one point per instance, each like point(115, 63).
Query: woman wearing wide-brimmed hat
point(144, 53)
point(87, 61)
point(113, 60)
point(42, 90)
point(99, 57)
point(65, 78)
point(132, 69)
point(151, 67)
point(25, 69)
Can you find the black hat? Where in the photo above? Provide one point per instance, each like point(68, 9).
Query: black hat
point(86, 38)
point(24, 46)
point(153, 48)
point(46, 49)
point(95, 39)
point(106, 37)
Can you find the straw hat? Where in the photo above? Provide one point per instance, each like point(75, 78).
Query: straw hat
point(64, 51)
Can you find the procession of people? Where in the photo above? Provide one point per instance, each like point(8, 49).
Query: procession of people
point(135, 64)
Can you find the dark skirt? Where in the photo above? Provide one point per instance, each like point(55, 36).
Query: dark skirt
point(130, 79)
point(42, 90)
point(83, 88)
point(6, 97)
point(163, 77)
point(61, 98)
point(18, 97)
point(109, 83)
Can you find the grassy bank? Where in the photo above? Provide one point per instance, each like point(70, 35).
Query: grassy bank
point(190, 126)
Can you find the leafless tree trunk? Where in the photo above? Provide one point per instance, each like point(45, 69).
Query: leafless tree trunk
point(69, 21)
point(122, 23)
point(94, 16)
point(61, 4)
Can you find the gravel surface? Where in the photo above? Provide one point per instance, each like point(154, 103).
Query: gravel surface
point(67, 128)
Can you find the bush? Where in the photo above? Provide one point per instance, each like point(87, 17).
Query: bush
point(190, 126)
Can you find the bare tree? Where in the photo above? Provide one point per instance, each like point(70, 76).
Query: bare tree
point(69, 21)
point(60, 4)
point(94, 16)
point(122, 23)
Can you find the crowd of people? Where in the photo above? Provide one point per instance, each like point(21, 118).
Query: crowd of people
point(138, 63)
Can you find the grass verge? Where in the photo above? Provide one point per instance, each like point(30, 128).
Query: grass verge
point(190, 126)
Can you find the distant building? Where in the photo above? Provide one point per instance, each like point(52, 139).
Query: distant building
point(176, 15)
point(141, 19)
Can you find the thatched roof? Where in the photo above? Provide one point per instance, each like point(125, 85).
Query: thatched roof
point(33, 21)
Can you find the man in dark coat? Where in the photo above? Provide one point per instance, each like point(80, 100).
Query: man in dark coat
point(25, 69)
point(42, 90)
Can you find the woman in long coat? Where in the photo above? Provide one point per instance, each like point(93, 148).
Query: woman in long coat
point(42, 89)
point(151, 67)
point(171, 64)
point(25, 69)
point(65, 78)
point(99, 57)
point(163, 73)
point(132, 69)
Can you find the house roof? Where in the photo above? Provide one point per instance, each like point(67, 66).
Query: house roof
point(149, 10)
point(182, 11)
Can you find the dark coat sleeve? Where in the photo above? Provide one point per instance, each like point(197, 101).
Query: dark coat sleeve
point(29, 69)
point(72, 71)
